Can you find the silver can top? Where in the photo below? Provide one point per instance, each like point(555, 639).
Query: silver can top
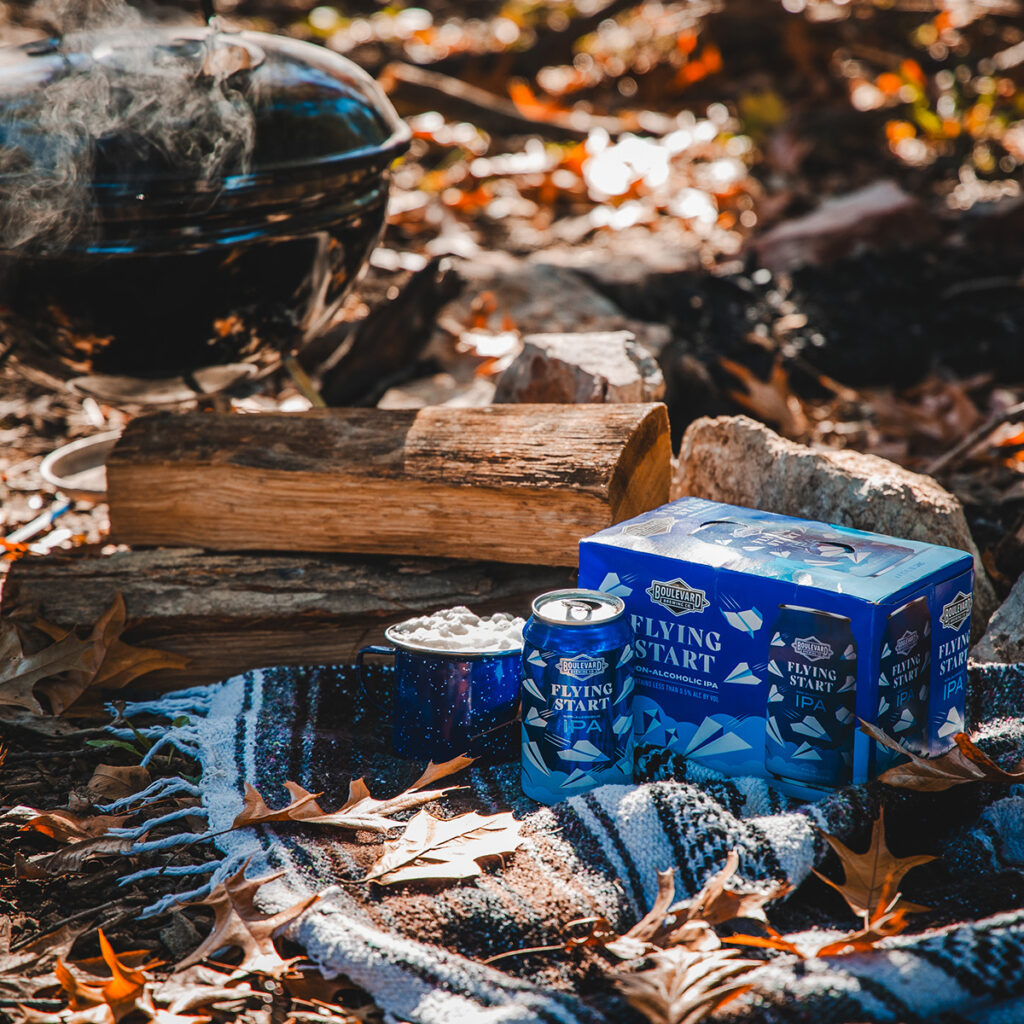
point(577, 607)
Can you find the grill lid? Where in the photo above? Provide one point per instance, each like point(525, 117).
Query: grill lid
point(126, 112)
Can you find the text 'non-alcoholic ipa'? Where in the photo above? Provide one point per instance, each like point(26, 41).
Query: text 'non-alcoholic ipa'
point(577, 697)
point(812, 662)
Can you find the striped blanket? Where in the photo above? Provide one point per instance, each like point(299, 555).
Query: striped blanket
point(418, 949)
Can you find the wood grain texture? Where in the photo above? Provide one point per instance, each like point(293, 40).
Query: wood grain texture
point(230, 613)
point(505, 483)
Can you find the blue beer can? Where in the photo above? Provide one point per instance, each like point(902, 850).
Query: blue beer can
point(903, 682)
point(577, 696)
point(812, 668)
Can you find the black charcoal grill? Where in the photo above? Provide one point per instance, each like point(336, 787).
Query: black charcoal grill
point(183, 245)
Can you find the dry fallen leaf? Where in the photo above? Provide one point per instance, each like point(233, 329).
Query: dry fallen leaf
point(683, 986)
point(238, 924)
point(962, 763)
point(639, 940)
point(111, 665)
point(39, 954)
point(887, 918)
point(111, 782)
point(70, 859)
point(309, 984)
point(66, 827)
point(360, 812)
point(869, 875)
point(118, 995)
point(686, 923)
point(432, 848)
point(19, 673)
point(198, 987)
point(715, 904)
point(770, 400)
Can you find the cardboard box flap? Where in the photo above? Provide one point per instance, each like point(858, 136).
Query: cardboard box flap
point(833, 558)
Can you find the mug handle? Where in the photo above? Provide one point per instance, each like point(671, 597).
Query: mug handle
point(385, 651)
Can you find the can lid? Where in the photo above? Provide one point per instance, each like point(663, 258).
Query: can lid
point(577, 607)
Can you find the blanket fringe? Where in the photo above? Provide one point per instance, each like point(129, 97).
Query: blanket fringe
point(161, 789)
point(221, 870)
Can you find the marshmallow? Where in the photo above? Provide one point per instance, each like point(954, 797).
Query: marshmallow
point(461, 631)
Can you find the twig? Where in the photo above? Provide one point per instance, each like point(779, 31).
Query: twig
point(15, 946)
point(957, 452)
point(413, 88)
point(522, 952)
point(302, 381)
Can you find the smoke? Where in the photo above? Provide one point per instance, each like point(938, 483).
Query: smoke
point(115, 103)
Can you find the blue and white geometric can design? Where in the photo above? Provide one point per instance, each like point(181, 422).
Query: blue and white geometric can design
point(811, 716)
point(577, 696)
point(903, 682)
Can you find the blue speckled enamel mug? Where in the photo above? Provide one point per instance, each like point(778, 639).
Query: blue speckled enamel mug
point(447, 703)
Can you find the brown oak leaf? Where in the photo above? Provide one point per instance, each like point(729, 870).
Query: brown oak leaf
point(771, 400)
point(70, 859)
point(686, 923)
point(39, 954)
point(111, 782)
point(432, 848)
point(239, 924)
point(67, 827)
point(870, 875)
point(683, 987)
point(20, 672)
point(111, 663)
point(715, 903)
point(360, 812)
point(886, 919)
point(962, 763)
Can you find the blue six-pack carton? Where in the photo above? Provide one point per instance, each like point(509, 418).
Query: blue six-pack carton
point(760, 640)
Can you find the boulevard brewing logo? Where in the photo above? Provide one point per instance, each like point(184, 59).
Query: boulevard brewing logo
point(906, 643)
point(811, 648)
point(583, 666)
point(954, 613)
point(678, 597)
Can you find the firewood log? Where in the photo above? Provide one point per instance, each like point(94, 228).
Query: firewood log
point(230, 613)
point(517, 483)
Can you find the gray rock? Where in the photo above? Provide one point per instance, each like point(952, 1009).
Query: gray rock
point(440, 389)
point(878, 214)
point(596, 366)
point(532, 297)
point(739, 461)
point(1003, 642)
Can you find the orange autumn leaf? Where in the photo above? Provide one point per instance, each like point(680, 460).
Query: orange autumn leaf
point(869, 878)
point(889, 83)
point(120, 993)
point(686, 42)
point(772, 400)
point(963, 763)
point(912, 72)
point(530, 105)
point(897, 131)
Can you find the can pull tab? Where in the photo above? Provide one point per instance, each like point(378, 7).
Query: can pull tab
point(580, 611)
